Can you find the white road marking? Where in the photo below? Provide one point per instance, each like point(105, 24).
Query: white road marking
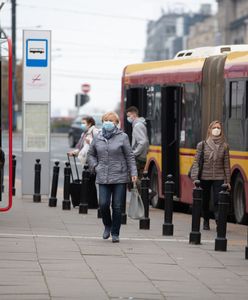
point(23, 235)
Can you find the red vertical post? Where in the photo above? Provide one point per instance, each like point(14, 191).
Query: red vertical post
point(10, 111)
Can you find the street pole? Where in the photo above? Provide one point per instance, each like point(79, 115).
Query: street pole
point(13, 14)
point(1, 162)
point(1, 6)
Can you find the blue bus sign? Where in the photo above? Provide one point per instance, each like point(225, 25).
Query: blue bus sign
point(36, 52)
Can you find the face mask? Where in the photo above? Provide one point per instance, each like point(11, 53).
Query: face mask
point(108, 125)
point(84, 127)
point(216, 132)
point(130, 120)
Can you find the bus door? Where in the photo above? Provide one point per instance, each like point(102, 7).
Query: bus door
point(171, 103)
point(135, 96)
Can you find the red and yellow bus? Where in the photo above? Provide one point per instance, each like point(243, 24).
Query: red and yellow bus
point(179, 98)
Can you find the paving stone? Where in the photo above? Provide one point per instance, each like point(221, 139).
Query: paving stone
point(71, 260)
point(106, 268)
point(164, 272)
point(25, 297)
point(151, 258)
point(69, 288)
point(188, 289)
point(131, 290)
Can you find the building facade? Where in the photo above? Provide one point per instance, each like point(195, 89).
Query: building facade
point(168, 35)
point(233, 21)
point(203, 34)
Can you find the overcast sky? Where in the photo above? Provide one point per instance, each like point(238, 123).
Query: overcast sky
point(92, 41)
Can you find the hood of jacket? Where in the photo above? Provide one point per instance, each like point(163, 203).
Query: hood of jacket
point(139, 120)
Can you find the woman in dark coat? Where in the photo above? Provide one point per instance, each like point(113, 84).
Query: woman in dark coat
point(215, 169)
point(111, 157)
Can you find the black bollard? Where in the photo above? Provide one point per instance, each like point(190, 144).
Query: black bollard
point(37, 171)
point(53, 198)
point(83, 206)
point(223, 208)
point(168, 227)
point(2, 163)
point(195, 234)
point(99, 213)
point(145, 183)
point(246, 248)
point(66, 205)
point(123, 212)
point(13, 174)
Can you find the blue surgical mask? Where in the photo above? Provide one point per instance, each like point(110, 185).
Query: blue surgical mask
point(84, 127)
point(108, 125)
point(130, 120)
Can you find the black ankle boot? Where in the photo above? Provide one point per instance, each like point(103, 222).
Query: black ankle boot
point(206, 225)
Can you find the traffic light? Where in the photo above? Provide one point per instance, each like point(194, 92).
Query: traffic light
point(81, 99)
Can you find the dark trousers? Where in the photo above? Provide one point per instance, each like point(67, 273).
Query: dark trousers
point(206, 185)
point(140, 168)
point(93, 202)
point(118, 193)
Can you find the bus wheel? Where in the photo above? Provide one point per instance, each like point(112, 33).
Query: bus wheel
point(239, 200)
point(156, 202)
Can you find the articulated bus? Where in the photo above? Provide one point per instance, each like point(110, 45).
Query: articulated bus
point(179, 98)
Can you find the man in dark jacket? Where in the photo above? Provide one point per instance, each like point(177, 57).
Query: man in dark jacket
point(140, 143)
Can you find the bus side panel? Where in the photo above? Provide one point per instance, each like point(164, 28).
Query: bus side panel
point(235, 166)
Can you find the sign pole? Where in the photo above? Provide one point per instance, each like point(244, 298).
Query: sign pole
point(36, 108)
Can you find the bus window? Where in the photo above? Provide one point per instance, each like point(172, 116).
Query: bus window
point(235, 128)
point(237, 95)
point(190, 116)
point(246, 101)
point(153, 114)
point(135, 96)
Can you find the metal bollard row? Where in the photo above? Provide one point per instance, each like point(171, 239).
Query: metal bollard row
point(195, 234)
point(223, 207)
point(53, 198)
point(37, 173)
point(168, 227)
point(66, 204)
point(246, 248)
point(83, 206)
point(13, 174)
point(145, 183)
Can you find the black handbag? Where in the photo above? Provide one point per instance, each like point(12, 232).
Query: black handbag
point(200, 164)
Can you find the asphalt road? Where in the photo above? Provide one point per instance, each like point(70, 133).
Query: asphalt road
point(59, 148)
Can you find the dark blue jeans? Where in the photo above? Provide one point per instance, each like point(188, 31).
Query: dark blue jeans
point(118, 192)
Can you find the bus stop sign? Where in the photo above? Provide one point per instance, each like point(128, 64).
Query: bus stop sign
point(85, 88)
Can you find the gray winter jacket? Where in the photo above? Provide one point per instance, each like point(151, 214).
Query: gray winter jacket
point(140, 143)
point(113, 159)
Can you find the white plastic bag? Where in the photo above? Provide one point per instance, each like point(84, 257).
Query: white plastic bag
point(136, 209)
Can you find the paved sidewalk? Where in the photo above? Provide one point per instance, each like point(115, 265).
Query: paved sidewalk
point(47, 253)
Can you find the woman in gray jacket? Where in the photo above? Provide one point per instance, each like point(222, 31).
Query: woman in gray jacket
point(111, 157)
point(212, 167)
